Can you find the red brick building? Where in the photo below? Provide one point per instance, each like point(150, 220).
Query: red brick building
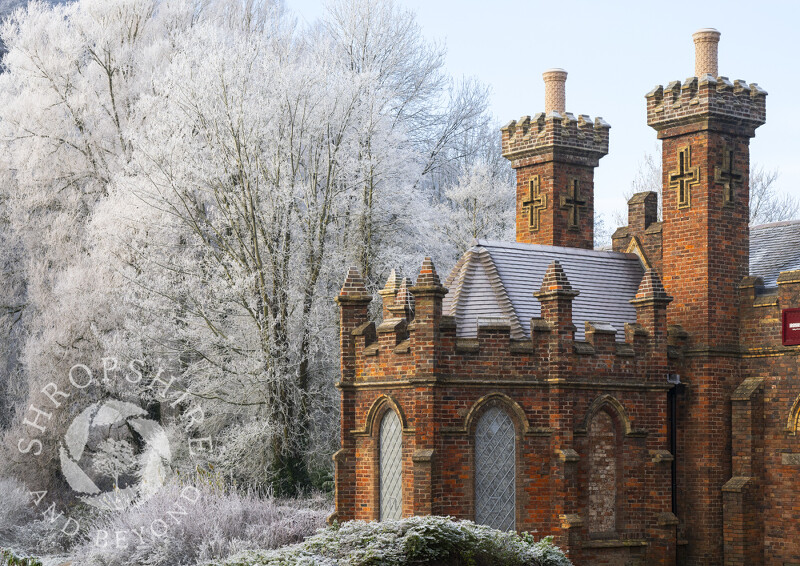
point(640, 404)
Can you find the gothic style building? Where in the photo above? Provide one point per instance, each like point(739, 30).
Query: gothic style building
point(639, 404)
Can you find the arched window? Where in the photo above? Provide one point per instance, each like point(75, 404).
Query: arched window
point(391, 466)
point(495, 473)
point(602, 487)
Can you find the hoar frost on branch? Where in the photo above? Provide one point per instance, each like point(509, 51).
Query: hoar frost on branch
point(188, 180)
point(72, 75)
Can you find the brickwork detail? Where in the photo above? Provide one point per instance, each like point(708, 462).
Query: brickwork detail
point(574, 204)
point(441, 388)
point(535, 204)
point(727, 176)
point(555, 95)
point(762, 522)
point(723, 105)
point(682, 179)
point(705, 124)
point(643, 234)
point(705, 45)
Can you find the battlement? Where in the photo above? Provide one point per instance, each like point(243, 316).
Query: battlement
point(555, 132)
point(386, 351)
point(711, 102)
point(583, 138)
point(707, 101)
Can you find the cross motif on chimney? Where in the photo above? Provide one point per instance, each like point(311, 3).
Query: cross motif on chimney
point(573, 203)
point(726, 176)
point(685, 177)
point(536, 203)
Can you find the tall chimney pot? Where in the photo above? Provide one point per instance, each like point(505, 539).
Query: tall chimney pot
point(555, 97)
point(706, 41)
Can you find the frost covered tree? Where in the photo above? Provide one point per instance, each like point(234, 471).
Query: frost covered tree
point(480, 205)
point(236, 238)
point(188, 180)
point(434, 117)
point(7, 8)
point(71, 77)
point(298, 163)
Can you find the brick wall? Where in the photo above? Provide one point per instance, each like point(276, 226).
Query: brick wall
point(554, 225)
point(643, 234)
point(767, 529)
point(553, 389)
point(593, 465)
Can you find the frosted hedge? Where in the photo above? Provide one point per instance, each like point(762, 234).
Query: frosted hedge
point(420, 541)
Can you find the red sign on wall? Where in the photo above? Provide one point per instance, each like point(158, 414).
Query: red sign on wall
point(791, 327)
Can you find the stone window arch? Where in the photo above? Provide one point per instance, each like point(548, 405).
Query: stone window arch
point(390, 465)
point(495, 440)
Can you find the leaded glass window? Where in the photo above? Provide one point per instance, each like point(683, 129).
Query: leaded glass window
point(495, 475)
point(391, 453)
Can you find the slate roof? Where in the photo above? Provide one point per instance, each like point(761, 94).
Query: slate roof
point(496, 280)
point(774, 248)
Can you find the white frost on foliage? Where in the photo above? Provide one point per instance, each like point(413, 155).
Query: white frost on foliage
point(189, 180)
point(415, 540)
point(480, 205)
point(219, 523)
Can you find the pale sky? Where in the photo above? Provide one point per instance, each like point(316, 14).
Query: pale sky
point(615, 52)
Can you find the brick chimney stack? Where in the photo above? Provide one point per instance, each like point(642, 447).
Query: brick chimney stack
point(706, 42)
point(554, 155)
point(705, 124)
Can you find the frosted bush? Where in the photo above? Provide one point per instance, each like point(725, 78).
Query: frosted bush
point(185, 525)
point(114, 458)
point(22, 528)
point(15, 509)
point(8, 558)
point(416, 540)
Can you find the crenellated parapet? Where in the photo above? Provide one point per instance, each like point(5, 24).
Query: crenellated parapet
point(580, 140)
point(389, 350)
point(712, 103)
point(706, 101)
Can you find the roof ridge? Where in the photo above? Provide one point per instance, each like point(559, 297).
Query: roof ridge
point(775, 224)
point(558, 249)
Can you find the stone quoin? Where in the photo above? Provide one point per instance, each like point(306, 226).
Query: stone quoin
point(641, 405)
